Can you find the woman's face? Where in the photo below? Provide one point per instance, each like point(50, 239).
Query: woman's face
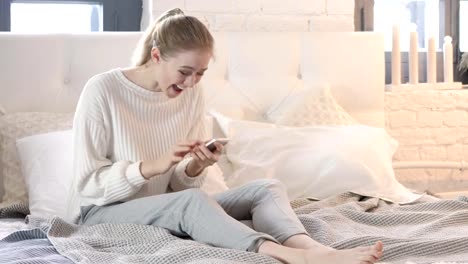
point(182, 71)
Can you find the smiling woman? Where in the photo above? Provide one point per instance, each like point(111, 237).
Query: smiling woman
point(171, 62)
point(140, 156)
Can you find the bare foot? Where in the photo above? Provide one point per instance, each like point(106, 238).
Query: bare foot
point(323, 255)
point(360, 255)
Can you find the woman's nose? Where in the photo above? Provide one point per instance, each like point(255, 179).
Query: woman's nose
point(190, 81)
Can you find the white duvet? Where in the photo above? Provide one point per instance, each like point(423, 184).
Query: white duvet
point(316, 162)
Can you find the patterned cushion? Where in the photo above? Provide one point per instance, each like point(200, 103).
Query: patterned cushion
point(17, 125)
point(313, 108)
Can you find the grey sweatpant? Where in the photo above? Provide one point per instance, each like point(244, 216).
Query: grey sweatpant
point(212, 220)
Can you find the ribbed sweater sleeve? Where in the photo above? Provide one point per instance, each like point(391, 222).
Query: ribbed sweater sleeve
point(100, 181)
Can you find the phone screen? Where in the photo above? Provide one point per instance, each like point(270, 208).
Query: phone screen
point(211, 146)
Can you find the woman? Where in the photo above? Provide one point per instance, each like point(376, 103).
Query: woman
point(133, 130)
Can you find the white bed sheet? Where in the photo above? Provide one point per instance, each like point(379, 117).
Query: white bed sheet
point(10, 225)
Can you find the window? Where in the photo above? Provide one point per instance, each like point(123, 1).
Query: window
point(423, 15)
point(69, 16)
point(42, 17)
point(436, 18)
point(464, 26)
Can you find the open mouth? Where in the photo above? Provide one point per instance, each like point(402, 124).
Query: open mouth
point(177, 88)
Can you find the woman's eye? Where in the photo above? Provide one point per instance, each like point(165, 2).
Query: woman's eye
point(185, 73)
point(200, 73)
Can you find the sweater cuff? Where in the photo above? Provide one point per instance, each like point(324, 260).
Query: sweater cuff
point(134, 175)
point(184, 179)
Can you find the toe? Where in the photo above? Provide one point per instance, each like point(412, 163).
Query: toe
point(379, 246)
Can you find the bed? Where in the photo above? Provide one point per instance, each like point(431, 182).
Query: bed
point(251, 86)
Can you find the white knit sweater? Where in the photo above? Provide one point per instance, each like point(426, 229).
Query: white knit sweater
point(118, 124)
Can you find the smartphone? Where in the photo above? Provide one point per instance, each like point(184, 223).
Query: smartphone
point(211, 146)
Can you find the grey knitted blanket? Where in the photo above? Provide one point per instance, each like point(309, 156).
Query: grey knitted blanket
point(425, 232)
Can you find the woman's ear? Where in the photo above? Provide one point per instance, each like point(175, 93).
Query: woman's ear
point(155, 55)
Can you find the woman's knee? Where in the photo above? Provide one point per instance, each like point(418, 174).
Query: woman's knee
point(268, 185)
point(194, 194)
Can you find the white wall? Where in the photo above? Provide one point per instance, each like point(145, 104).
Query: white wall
point(428, 125)
point(266, 15)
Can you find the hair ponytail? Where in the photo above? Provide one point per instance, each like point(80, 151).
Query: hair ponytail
point(172, 32)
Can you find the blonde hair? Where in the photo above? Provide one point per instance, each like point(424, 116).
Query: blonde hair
point(173, 32)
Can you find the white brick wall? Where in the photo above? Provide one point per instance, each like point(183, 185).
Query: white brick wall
point(331, 23)
point(266, 15)
point(430, 125)
point(340, 7)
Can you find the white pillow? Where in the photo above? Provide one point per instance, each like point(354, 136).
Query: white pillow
point(222, 123)
point(47, 162)
point(315, 162)
point(230, 126)
point(310, 107)
point(17, 125)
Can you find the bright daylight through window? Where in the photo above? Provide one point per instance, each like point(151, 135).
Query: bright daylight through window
point(464, 26)
point(425, 14)
point(49, 17)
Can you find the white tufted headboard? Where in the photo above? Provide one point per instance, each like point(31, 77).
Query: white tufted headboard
point(251, 71)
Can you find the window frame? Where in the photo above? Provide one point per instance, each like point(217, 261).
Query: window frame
point(364, 21)
point(118, 15)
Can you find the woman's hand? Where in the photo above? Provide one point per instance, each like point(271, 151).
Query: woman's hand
point(151, 168)
point(202, 158)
